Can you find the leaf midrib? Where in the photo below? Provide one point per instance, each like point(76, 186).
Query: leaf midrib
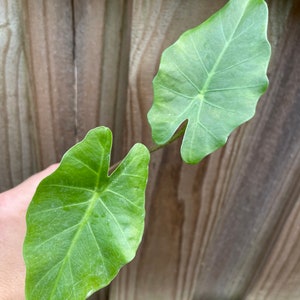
point(220, 57)
point(84, 221)
point(211, 73)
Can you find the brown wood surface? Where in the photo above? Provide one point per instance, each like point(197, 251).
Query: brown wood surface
point(228, 228)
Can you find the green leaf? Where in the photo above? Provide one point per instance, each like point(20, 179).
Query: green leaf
point(212, 76)
point(82, 224)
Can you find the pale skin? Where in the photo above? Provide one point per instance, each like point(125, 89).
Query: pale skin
point(13, 206)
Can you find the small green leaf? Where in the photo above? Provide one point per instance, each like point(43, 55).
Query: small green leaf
point(82, 224)
point(212, 77)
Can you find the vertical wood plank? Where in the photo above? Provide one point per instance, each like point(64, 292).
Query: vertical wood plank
point(4, 146)
point(16, 147)
point(49, 52)
point(102, 57)
point(278, 276)
point(118, 38)
point(89, 19)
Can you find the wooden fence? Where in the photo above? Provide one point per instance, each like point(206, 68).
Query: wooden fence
point(228, 228)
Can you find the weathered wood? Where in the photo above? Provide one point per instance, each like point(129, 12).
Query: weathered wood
point(88, 31)
point(227, 228)
point(278, 275)
point(101, 63)
point(16, 146)
point(49, 53)
point(115, 70)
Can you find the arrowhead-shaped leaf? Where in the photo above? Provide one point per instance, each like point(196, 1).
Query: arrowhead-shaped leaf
point(212, 77)
point(82, 224)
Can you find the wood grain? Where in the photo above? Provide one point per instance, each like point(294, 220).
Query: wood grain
point(228, 228)
point(49, 51)
point(88, 30)
point(278, 275)
point(16, 146)
point(102, 56)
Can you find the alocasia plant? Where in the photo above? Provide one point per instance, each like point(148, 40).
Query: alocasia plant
point(213, 77)
point(83, 223)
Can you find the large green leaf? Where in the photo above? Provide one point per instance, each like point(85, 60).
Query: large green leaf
point(82, 224)
point(212, 77)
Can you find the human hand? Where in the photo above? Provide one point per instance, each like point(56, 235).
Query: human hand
point(13, 207)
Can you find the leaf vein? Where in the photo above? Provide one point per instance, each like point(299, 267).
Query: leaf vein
point(84, 164)
point(233, 88)
point(59, 207)
point(72, 278)
point(116, 222)
point(83, 221)
point(71, 187)
point(56, 235)
point(97, 244)
point(222, 28)
point(121, 196)
point(235, 37)
point(209, 131)
point(187, 78)
point(175, 92)
point(237, 64)
point(221, 54)
point(45, 275)
point(217, 106)
point(199, 56)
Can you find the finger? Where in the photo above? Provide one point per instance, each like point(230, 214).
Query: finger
point(22, 194)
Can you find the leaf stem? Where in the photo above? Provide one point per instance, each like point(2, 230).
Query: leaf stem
point(176, 135)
